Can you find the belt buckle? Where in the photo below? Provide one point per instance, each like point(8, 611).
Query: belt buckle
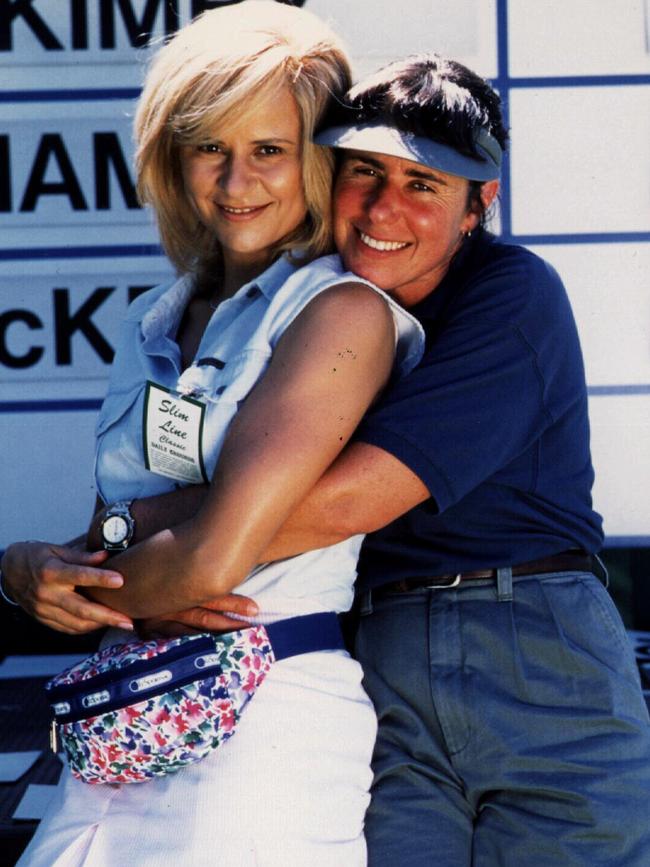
point(448, 586)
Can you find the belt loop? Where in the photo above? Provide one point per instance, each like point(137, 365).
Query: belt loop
point(603, 574)
point(365, 603)
point(504, 584)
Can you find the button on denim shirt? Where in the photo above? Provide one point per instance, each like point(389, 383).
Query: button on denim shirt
point(233, 355)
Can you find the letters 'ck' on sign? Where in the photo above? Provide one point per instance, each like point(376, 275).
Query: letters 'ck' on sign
point(20, 348)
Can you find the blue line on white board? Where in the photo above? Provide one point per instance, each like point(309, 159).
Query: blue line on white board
point(605, 390)
point(502, 81)
point(627, 542)
point(579, 81)
point(71, 95)
point(582, 238)
point(502, 84)
point(97, 252)
point(94, 252)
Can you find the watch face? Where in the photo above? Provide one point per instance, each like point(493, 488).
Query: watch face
point(115, 529)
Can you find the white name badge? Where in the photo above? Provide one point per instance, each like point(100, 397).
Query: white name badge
point(172, 427)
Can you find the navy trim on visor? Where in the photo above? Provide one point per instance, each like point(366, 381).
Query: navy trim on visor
point(379, 138)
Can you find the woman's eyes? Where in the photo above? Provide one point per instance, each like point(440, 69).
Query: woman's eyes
point(269, 150)
point(265, 150)
point(420, 187)
point(365, 171)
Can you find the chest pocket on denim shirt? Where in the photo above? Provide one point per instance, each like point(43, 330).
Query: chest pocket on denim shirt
point(119, 460)
point(223, 385)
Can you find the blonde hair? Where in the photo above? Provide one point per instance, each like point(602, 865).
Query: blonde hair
point(217, 70)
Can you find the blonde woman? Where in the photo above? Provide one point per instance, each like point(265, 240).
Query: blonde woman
point(284, 371)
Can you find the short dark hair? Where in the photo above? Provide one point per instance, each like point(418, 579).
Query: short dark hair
point(427, 95)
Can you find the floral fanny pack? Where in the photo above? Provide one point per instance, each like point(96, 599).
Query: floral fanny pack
point(135, 711)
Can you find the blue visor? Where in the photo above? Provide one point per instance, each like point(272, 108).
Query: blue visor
point(379, 138)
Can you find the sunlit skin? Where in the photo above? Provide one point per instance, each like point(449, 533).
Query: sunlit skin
point(245, 183)
point(399, 223)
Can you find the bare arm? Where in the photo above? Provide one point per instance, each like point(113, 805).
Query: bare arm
point(365, 489)
point(325, 372)
point(350, 498)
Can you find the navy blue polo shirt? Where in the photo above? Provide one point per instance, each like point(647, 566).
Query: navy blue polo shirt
point(493, 420)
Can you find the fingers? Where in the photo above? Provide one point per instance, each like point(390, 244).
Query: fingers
point(75, 555)
point(69, 612)
point(84, 568)
point(40, 564)
point(224, 623)
point(233, 604)
point(100, 615)
point(219, 615)
point(205, 620)
point(88, 577)
point(164, 629)
point(45, 580)
point(200, 619)
point(67, 566)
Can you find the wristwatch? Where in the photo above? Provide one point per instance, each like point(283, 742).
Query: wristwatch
point(118, 526)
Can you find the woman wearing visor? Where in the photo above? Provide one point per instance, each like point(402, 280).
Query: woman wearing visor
point(512, 727)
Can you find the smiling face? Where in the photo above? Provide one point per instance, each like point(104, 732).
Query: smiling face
point(398, 223)
point(245, 182)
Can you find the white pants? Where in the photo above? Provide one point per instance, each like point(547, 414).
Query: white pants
point(289, 789)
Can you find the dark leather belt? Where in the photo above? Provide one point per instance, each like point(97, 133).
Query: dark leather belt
point(567, 561)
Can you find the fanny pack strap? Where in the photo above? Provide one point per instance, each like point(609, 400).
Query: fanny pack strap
point(305, 634)
point(110, 690)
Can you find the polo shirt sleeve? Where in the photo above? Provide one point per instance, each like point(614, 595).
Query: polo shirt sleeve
point(489, 383)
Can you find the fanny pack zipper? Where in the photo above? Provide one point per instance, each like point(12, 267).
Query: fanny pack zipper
point(183, 657)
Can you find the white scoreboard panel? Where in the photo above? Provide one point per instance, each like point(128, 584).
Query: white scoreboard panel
point(66, 175)
point(75, 246)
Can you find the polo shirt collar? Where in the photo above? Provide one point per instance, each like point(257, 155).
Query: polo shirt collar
point(463, 263)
